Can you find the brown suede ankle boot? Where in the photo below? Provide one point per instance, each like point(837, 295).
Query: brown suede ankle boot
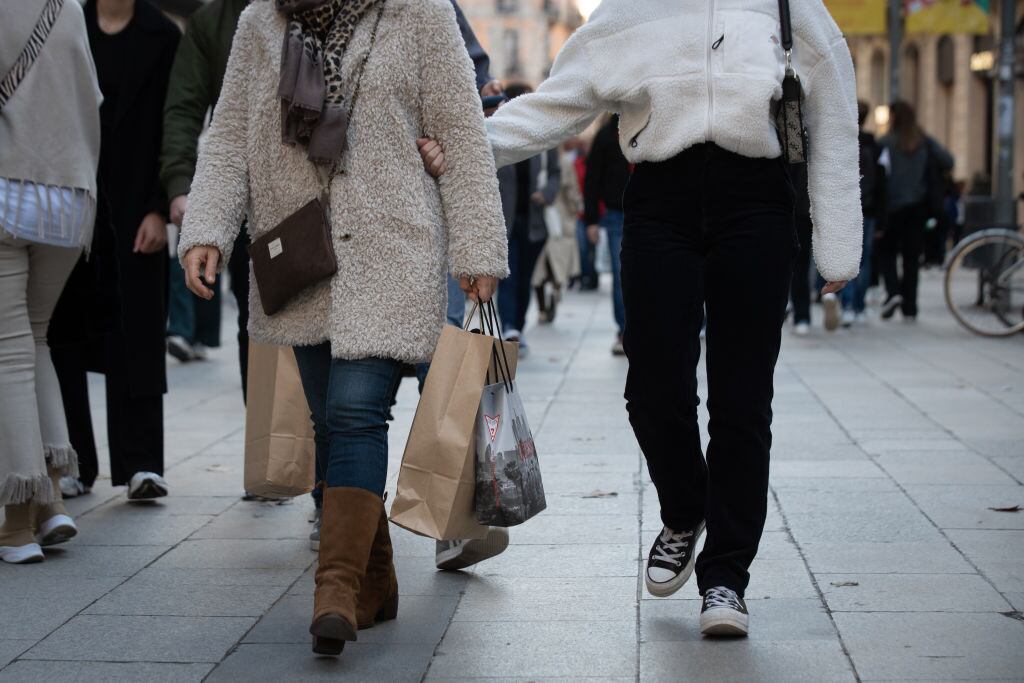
point(378, 598)
point(350, 521)
point(52, 522)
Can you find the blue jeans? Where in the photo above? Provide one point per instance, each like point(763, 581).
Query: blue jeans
point(350, 401)
point(196, 320)
point(514, 291)
point(853, 293)
point(612, 222)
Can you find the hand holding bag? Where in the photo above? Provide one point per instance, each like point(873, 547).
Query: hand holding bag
point(437, 482)
point(299, 252)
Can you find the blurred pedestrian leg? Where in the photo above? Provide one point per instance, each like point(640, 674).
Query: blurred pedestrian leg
point(193, 324)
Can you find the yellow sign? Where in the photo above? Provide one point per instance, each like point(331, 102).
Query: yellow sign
point(948, 16)
point(859, 17)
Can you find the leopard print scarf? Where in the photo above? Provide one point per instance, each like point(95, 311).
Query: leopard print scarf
point(313, 112)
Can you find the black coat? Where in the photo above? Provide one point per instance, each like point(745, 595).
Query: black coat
point(118, 294)
point(508, 184)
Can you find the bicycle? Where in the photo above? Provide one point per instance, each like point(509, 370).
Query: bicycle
point(984, 283)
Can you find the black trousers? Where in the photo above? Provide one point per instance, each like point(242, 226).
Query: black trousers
point(800, 290)
point(904, 237)
point(238, 268)
point(70, 363)
point(707, 230)
point(135, 423)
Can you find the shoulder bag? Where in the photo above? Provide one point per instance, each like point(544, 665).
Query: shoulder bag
point(299, 252)
point(789, 119)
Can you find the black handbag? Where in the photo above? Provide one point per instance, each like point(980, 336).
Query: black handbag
point(789, 118)
point(299, 251)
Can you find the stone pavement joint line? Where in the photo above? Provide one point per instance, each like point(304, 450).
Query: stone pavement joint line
point(884, 556)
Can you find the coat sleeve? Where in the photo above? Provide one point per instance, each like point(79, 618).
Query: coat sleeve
point(833, 168)
point(189, 97)
point(452, 114)
point(219, 196)
point(563, 106)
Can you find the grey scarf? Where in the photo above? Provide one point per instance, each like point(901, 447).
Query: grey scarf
point(313, 112)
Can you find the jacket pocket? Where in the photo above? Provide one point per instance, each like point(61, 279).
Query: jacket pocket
point(750, 44)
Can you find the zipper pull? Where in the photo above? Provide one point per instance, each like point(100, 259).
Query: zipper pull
point(718, 43)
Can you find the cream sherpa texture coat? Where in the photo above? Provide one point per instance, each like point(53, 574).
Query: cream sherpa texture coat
point(683, 72)
point(395, 228)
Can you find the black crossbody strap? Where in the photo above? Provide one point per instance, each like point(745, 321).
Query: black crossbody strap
point(787, 26)
point(28, 55)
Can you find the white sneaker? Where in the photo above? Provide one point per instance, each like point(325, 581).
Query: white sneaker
point(462, 554)
point(314, 535)
point(200, 352)
point(21, 554)
point(830, 302)
point(147, 486)
point(861, 318)
point(57, 529)
point(802, 329)
point(179, 347)
point(848, 318)
point(72, 488)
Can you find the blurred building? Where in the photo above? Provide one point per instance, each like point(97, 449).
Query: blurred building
point(522, 37)
point(950, 81)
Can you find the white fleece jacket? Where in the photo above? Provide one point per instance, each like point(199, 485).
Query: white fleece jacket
point(683, 72)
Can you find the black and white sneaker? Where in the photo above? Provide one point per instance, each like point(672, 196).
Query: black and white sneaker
point(724, 613)
point(454, 555)
point(147, 486)
point(890, 306)
point(670, 563)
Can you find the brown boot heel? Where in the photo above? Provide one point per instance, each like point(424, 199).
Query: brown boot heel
point(330, 632)
point(389, 610)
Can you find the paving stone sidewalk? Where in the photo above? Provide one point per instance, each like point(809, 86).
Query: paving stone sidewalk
point(883, 558)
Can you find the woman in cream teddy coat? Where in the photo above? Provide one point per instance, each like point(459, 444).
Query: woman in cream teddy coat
point(395, 230)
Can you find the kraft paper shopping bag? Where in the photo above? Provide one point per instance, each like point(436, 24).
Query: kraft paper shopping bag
point(280, 455)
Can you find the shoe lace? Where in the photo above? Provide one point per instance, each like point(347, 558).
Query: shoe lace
point(720, 596)
point(672, 546)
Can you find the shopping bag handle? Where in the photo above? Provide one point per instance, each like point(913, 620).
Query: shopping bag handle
point(501, 363)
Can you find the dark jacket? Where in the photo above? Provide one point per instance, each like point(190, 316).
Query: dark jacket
point(874, 191)
point(909, 171)
point(196, 79)
point(199, 72)
point(124, 290)
point(508, 183)
point(607, 173)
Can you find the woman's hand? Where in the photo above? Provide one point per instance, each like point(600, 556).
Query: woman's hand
point(433, 156)
point(198, 260)
point(479, 288)
point(151, 236)
point(833, 287)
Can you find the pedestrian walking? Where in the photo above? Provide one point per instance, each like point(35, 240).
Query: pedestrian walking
point(708, 222)
point(112, 316)
point(559, 263)
point(195, 81)
point(607, 175)
point(523, 201)
point(50, 137)
point(303, 122)
point(916, 194)
point(803, 273)
point(874, 206)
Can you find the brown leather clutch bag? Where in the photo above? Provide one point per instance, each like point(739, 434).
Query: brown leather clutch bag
point(297, 254)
